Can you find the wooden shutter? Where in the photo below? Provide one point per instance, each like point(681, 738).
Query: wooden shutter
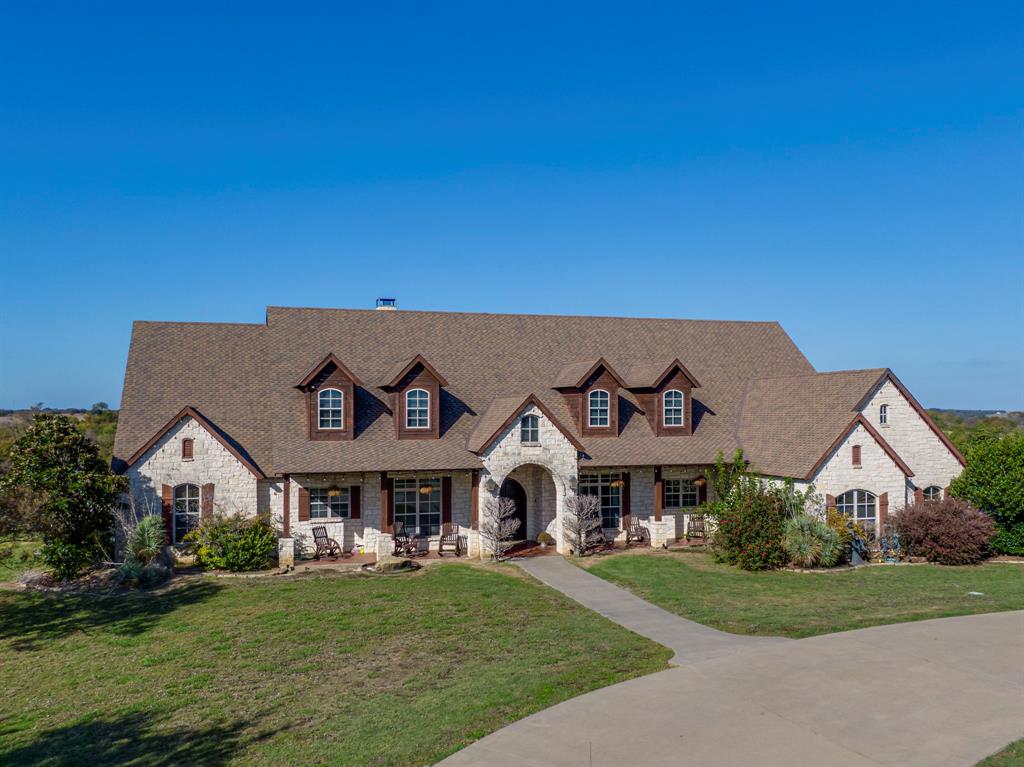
point(659, 494)
point(830, 501)
point(474, 499)
point(883, 512)
point(303, 504)
point(945, 492)
point(625, 496)
point(187, 449)
point(355, 502)
point(446, 499)
point(206, 501)
point(856, 455)
point(167, 511)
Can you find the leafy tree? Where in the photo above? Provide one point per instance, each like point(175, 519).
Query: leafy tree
point(993, 481)
point(74, 488)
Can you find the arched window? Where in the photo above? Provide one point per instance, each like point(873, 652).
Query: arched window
point(673, 408)
point(417, 409)
point(861, 506)
point(883, 414)
point(598, 410)
point(529, 429)
point(933, 493)
point(331, 409)
point(186, 510)
point(187, 449)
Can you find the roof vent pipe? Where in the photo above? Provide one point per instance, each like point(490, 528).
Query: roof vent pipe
point(387, 304)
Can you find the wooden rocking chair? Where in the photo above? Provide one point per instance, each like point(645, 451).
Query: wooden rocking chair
point(598, 541)
point(696, 527)
point(404, 545)
point(325, 545)
point(635, 532)
point(450, 539)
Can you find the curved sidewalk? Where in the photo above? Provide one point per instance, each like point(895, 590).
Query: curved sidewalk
point(691, 641)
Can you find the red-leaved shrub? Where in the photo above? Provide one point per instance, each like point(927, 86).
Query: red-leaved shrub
point(948, 532)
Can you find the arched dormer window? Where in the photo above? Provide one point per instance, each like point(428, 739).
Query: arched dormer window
point(672, 408)
point(330, 409)
point(417, 409)
point(598, 406)
point(529, 430)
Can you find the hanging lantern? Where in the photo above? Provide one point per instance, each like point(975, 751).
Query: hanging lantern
point(333, 491)
point(617, 483)
point(426, 489)
point(700, 482)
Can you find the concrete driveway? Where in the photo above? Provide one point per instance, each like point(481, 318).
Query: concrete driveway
point(941, 692)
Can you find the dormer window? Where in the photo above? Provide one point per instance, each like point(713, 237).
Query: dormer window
point(417, 409)
point(598, 403)
point(673, 408)
point(529, 430)
point(883, 414)
point(330, 410)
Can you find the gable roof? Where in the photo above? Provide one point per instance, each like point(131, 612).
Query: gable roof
point(242, 378)
point(401, 370)
point(574, 374)
point(859, 420)
point(318, 368)
point(650, 375)
point(502, 413)
point(223, 439)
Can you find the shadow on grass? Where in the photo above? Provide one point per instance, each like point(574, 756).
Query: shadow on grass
point(30, 619)
point(135, 739)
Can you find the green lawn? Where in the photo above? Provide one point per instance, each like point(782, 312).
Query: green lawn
point(340, 670)
point(16, 556)
point(784, 603)
point(1011, 756)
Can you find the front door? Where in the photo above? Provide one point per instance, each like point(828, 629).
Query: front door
point(513, 490)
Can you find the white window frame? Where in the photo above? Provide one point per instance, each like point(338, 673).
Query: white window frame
point(609, 497)
point(323, 506)
point(677, 410)
point(330, 409)
point(424, 507)
point(857, 503)
point(679, 491)
point(529, 429)
point(592, 409)
point(423, 409)
point(932, 493)
point(191, 507)
point(883, 415)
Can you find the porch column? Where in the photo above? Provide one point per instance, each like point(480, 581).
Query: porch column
point(659, 495)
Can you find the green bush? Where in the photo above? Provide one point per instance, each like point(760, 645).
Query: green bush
point(1009, 539)
point(146, 540)
point(749, 526)
point(234, 543)
point(66, 560)
point(993, 480)
point(811, 542)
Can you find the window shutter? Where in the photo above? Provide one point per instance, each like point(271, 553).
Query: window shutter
point(945, 492)
point(167, 511)
point(355, 502)
point(856, 455)
point(830, 501)
point(883, 511)
point(206, 501)
point(303, 504)
point(446, 499)
point(625, 496)
point(918, 495)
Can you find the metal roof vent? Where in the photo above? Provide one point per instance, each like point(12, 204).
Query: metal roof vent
point(387, 304)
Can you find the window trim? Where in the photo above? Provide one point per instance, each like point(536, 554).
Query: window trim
point(425, 407)
point(591, 407)
point(936, 495)
point(184, 486)
point(602, 481)
point(402, 485)
point(681, 492)
point(320, 409)
point(529, 424)
point(883, 414)
point(681, 407)
point(329, 516)
point(860, 499)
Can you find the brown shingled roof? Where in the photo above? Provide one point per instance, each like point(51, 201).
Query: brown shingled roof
point(242, 378)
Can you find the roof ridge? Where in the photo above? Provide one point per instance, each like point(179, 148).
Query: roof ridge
point(201, 322)
point(818, 373)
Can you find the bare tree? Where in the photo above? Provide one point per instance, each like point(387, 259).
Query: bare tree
point(498, 526)
point(581, 520)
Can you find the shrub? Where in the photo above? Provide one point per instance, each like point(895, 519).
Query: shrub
point(947, 532)
point(67, 560)
point(810, 542)
point(993, 480)
point(144, 576)
point(1009, 539)
point(545, 538)
point(145, 540)
point(234, 543)
point(750, 522)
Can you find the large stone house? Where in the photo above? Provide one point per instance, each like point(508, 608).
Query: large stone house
point(356, 419)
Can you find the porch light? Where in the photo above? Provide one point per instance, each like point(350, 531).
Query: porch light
point(426, 489)
point(617, 483)
point(334, 491)
point(700, 482)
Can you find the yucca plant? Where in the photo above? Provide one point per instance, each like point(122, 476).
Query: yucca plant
point(146, 540)
point(810, 542)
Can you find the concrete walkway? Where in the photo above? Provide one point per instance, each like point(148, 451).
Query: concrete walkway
point(690, 641)
point(940, 693)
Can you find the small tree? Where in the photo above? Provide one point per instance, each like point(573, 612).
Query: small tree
point(581, 520)
point(75, 489)
point(498, 526)
point(993, 481)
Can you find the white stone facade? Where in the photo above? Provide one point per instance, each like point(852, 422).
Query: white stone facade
point(235, 487)
point(912, 438)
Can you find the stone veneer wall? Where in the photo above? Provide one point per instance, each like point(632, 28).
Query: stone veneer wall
point(235, 487)
point(912, 438)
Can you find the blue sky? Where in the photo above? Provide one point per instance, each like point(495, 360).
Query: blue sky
point(853, 172)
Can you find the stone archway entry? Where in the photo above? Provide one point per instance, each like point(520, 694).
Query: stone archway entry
point(510, 488)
